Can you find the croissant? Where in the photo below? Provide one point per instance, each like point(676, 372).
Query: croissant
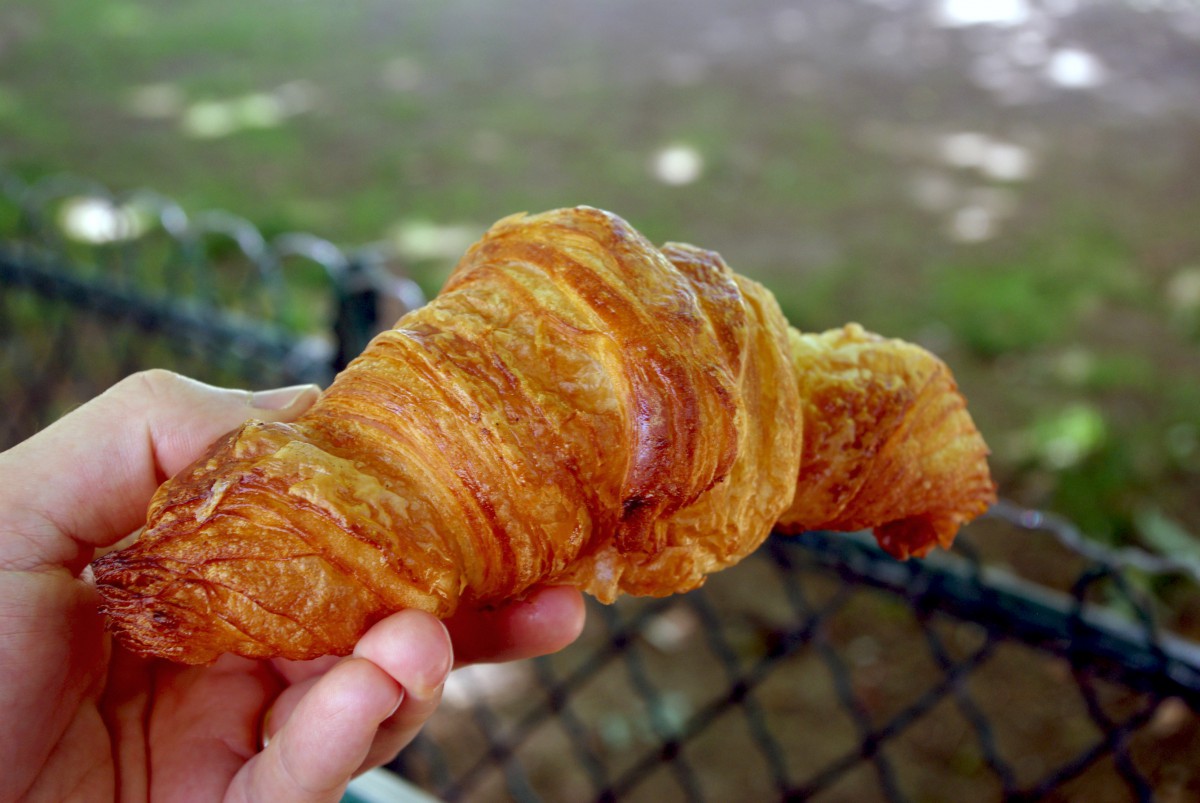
point(575, 407)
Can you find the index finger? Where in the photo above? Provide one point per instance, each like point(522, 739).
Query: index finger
point(547, 620)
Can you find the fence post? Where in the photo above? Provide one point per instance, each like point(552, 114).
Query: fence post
point(370, 297)
point(357, 319)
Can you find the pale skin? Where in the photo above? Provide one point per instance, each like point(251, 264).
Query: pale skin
point(83, 719)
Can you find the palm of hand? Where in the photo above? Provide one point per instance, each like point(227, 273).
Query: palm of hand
point(100, 721)
point(103, 717)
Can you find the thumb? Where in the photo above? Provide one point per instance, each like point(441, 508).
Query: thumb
point(85, 481)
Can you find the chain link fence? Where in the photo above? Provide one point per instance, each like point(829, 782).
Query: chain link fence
point(1028, 664)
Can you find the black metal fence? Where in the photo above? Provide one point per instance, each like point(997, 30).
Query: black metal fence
point(1027, 664)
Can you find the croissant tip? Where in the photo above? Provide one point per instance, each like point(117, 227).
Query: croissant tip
point(137, 605)
point(917, 536)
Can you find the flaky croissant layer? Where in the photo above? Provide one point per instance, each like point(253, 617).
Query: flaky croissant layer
point(576, 406)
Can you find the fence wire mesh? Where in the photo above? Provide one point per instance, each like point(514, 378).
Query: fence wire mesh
point(821, 669)
point(1028, 664)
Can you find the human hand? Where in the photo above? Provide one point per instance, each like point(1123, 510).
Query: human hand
point(85, 719)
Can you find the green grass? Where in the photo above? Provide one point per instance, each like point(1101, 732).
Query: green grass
point(1063, 310)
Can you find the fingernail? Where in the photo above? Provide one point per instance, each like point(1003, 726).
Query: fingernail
point(264, 726)
point(280, 399)
point(440, 674)
point(396, 707)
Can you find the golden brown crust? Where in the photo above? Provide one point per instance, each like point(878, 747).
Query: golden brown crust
point(576, 406)
point(888, 443)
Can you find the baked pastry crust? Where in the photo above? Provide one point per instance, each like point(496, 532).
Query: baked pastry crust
point(576, 406)
point(888, 443)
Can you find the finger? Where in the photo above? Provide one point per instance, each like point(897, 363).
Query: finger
point(299, 671)
point(545, 622)
point(85, 481)
point(398, 731)
point(416, 650)
point(324, 739)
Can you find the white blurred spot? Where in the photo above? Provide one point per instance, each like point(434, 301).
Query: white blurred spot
point(99, 220)
point(490, 683)
point(994, 158)
point(155, 101)
point(209, 119)
point(1070, 436)
point(402, 74)
point(979, 217)
point(421, 239)
point(677, 165)
point(670, 630)
point(1183, 290)
point(258, 110)
point(972, 224)
point(1072, 68)
point(961, 13)
point(964, 148)
point(1005, 161)
point(1171, 715)
point(382, 786)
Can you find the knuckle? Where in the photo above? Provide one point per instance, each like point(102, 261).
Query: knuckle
point(141, 392)
point(155, 381)
point(149, 387)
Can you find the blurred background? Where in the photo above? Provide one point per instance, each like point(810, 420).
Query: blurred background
point(1014, 184)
